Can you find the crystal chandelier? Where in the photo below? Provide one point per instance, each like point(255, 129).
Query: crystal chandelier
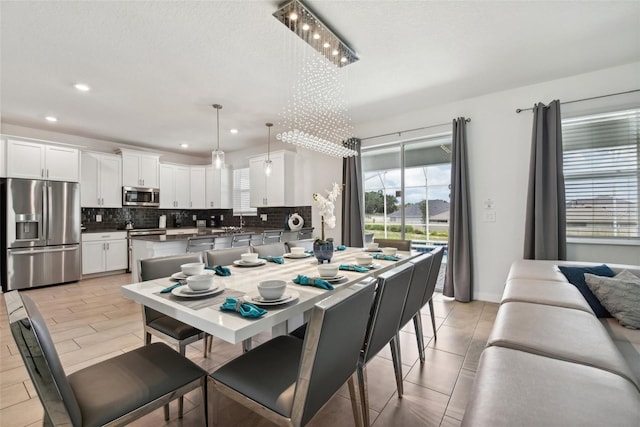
point(217, 155)
point(315, 116)
point(268, 164)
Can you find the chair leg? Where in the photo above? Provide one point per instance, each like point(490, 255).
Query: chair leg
point(364, 396)
point(355, 406)
point(166, 412)
point(397, 363)
point(210, 343)
point(147, 338)
point(205, 401)
point(417, 324)
point(433, 319)
point(182, 348)
point(204, 344)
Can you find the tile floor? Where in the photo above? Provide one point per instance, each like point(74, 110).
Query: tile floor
point(90, 321)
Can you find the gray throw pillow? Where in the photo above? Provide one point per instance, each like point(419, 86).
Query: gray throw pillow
point(620, 295)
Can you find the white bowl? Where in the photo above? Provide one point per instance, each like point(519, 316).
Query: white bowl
point(389, 251)
point(328, 270)
point(372, 246)
point(272, 289)
point(249, 257)
point(297, 250)
point(200, 282)
point(192, 268)
point(364, 259)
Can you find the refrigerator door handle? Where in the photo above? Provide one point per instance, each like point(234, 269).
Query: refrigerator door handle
point(41, 251)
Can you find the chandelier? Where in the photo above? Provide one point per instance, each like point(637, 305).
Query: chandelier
point(315, 116)
point(217, 155)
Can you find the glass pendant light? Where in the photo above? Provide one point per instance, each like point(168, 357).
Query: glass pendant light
point(268, 164)
point(217, 155)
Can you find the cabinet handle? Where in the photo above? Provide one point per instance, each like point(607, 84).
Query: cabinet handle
point(190, 204)
point(107, 246)
point(47, 173)
point(142, 181)
point(42, 173)
point(102, 201)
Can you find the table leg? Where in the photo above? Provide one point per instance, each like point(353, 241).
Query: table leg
point(246, 345)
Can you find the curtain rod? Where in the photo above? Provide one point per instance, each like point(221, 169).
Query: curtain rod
point(408, 130)
point(520, 110)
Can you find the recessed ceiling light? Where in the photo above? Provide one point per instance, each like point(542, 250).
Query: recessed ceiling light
point(82, 87)
point(51, 119)
point(234, 131)
point(183, 145)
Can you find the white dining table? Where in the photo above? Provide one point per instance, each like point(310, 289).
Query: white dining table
point(280, 319)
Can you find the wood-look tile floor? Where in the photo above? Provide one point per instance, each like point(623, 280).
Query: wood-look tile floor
point(90, 321)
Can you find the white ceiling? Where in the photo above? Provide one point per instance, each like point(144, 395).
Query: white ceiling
point(155, 67)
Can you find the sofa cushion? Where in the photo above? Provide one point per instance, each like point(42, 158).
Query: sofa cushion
point(535, 269)
point(514, 388)
point(628, 342)
point(575, 276)
point(561, 294)
point(620, 295)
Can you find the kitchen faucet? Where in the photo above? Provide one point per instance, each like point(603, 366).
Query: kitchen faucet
point(241, 222)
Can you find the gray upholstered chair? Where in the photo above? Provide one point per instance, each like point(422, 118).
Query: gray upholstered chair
point(431, 287)
point(112, 392)
point(199, 244)
point(307, 244)
point(257, 239)
point(368, 238)
point(401, 245)
point(225, 256)
point(286, 379)
point(271, 249)
point(271, 236)
point(305, 233)
point(383, 326)
point(241, 240)
point(222, 242)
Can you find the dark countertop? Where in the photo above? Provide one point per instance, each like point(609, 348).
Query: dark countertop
point(208, 232)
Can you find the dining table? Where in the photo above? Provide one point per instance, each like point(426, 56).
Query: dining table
point(204, 312)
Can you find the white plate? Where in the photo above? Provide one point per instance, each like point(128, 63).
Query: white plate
point(373, 250)
point(289, 255)
point(185, 292)
point(241, 263)
point(181, 276)
point(330, 279)
point(255, 298)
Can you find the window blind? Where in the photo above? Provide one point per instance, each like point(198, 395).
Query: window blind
point(602, 174)
point(242, 193)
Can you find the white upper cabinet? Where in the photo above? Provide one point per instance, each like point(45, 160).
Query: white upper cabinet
point(35, 160)
point(276, 189)
point(3, 157)
point(140, 169)
point(219, 188)
point(174, 186)
point(100, 184)
point(197, 187)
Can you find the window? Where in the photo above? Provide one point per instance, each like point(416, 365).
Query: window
point(602, 174)
point(241, 193)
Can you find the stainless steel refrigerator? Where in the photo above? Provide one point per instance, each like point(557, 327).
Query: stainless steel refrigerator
point(40, 233)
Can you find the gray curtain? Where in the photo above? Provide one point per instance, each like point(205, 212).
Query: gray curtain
point(352, 197)
point(459, 276)
point(545, 227)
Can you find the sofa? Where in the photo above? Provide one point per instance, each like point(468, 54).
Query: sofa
point(549, 361)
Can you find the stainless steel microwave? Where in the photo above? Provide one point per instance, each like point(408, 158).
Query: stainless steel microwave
point(139, 196)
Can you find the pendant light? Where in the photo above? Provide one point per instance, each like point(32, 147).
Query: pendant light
point(268, 164)
point(217, 155)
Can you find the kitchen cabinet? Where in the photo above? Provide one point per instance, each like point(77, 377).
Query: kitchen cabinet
point(219, 188)
point(35, 160)
point(3, 157)
point(276, 189)
point(197, 187)
point(174, 186)
point(100, 182)
point(102, 252)
point(140, 169)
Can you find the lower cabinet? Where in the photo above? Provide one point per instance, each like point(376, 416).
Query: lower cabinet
point(102, 252)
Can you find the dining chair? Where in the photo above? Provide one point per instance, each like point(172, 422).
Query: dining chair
point(271, 249)
point(257, 239)
point(305, 233)
point(199, 244)
point(307, 244)
point(241, 240)
point(288, 380)
point(401, 245)
point(222, 242)
point(271, 236)
point(225, 256)
point(368, 238)
point(434, 272)
point(112, 392)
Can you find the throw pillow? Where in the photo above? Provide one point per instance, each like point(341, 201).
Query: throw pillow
point(620, 295)
point(575, 276)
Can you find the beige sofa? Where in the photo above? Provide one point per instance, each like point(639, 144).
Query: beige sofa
point(550, 361)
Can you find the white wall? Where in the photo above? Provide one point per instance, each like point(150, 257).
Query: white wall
point(499, 144)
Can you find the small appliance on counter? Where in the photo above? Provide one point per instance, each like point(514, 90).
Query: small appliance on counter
point(128, 225)
point(201, 223)
point(177, 222)
point(162, 221)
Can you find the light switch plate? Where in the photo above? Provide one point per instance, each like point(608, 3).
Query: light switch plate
point(263, 217)
point(98, 218)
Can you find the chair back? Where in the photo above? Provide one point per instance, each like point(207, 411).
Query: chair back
point(307, 244)
point(241, 240)
point(273, 236)
point(386, 312)
point(155, 268)
point(225, 256)
point(41, 360)
point(433, 274)
point(222, 242)
point(368, 238)
point(419, 280)
point(199, 244)
point(257, 239)
point(272, 249)
point(401, 245)
point(331, 348)
point(305, 233)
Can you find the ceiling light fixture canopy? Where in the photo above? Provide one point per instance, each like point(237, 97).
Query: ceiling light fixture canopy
point(268, 164)
point(217, 155)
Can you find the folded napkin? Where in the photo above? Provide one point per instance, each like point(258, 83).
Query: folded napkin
point(341, 248)
point(352, 267)
point(276, 259)
point(244, 308)
point(318, 283)
point(385, 257)
point(172, 287)
point(220, 270)
point(308, 252)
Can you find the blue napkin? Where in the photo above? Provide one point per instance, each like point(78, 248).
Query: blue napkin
point(341, 248)
point(244, 308)
point(220, 270)
point(308, 252)
point(172, 287)
point(351, 267)
point(385, 257)
point(276, 259)
point(318, 283)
